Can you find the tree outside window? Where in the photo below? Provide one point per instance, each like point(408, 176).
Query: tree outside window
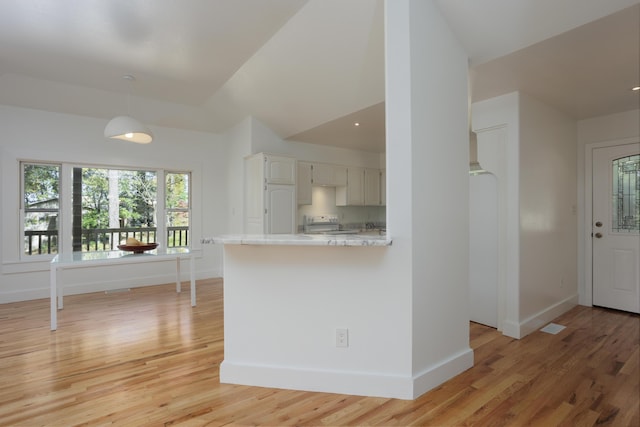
point(41, 208)
point(115, 204)
point(178, 207)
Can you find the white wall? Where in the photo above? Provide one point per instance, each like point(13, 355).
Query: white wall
point(44, 136)
point(603, 130)
point(238, 140)
point(609, 128)
point(548, 214)
point(529, 146)
point(288, 301)
point(436, 67)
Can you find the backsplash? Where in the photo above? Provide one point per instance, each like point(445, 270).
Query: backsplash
point(324, 202)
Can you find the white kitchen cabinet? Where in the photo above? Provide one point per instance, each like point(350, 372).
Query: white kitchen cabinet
point(353, 193)
point(279, 170)
point(270, 194)
point(304, 183)
point(339, 175)
point(372, 195)
point(280, 214)
point(329, 175)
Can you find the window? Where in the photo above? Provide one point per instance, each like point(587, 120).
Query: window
point(111, 205)
point(41, 208)
point(626, 194)
point(177, 207)
point(105, 207)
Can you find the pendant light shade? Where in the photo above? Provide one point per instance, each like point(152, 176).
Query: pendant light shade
point(127, 128)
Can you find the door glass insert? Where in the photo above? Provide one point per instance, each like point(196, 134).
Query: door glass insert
point(626, 194)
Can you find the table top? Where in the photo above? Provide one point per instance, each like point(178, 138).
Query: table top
point(121, 256)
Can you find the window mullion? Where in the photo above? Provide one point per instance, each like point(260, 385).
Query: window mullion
point(161, 212)
point(66, 209)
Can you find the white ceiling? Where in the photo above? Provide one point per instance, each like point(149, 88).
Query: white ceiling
point(308, 69)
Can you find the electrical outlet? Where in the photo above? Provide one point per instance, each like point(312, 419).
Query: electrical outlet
point(342, 338)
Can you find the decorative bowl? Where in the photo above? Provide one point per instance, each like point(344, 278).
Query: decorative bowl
point(138, 249)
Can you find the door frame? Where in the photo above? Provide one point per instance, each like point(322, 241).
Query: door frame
point(587, 297)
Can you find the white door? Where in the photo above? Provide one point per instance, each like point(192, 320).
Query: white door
point(615, 228)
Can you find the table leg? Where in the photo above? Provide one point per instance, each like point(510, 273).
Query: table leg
point(60, 295)
point(53, 288)
point(178, 284)
point(192, 276)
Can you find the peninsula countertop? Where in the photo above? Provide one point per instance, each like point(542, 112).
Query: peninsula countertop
point(300, 239)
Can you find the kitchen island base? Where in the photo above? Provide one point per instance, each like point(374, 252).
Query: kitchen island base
point(283, 305)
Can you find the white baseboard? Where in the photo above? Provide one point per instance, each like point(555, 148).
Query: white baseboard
point(433, 377)
point(343, 382)
point(511, 329)
point(538, 320)
point(354, 383)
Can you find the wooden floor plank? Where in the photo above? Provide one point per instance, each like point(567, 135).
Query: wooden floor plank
point(146, 357)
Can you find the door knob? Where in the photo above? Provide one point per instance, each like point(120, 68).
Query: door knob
point(599, 235)
point(599, 224)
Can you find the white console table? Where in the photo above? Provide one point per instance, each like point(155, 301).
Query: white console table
point(108, 258)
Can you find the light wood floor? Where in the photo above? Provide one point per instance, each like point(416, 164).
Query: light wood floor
point(146, 357)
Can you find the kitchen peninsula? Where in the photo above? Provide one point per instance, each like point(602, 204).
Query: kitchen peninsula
point(287, 297)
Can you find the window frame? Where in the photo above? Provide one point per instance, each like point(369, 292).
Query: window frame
point(168, 210)
point(23, 211)
point(65, 212)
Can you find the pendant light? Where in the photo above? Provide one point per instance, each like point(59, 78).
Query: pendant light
point(127, 128)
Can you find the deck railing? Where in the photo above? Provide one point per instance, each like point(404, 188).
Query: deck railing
point(102, 239)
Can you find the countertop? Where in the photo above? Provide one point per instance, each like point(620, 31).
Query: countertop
point(299, 239)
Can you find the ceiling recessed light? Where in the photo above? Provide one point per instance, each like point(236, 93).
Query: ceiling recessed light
point(356, 124)
point(635, 88)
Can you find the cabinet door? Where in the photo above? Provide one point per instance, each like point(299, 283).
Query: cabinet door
point(330, 175)
point(322, 174)
point(280, 216)
point(280, 170)
point(372, 187)
point(353, 193)
point(339, 175)
point(304, 183)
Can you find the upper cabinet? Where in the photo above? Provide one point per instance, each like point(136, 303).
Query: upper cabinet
point(279, 170)
point(304, 183)
point(355, 186)
point(365, 187)
point(329, 175)
point(353, 193)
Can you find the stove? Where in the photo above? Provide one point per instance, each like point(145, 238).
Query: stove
point(324, 224)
